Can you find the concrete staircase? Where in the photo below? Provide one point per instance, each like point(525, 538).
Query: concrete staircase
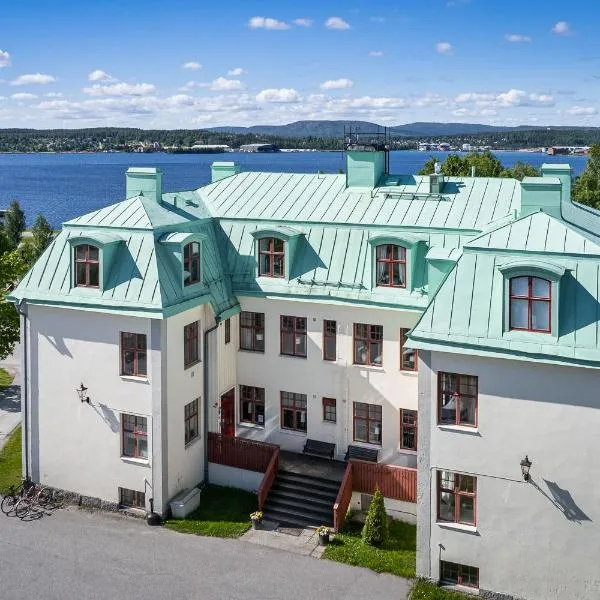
point(297, 500)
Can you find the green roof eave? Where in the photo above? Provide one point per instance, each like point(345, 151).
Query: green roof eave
point(403, 238)
point(95, 239)
point(532, 266)
point(434, 345)
point(282, 232)
point(182, 237)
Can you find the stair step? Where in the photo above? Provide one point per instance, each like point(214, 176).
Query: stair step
point(309, 480)
point(295, 519)
point(303, 491)
point(297, 512)
point(301, 497)
point(318, 511)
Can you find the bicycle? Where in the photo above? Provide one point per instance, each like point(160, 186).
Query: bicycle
point(26, 489)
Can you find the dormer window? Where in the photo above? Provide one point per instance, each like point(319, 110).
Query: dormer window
point(390, 266)
point(87, 266)
point(191, 263)
point(271, 257)
point(530, 304)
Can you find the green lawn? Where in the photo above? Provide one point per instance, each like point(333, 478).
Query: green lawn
point(10, 462)
point(5, 379)
point(224, 512)
point(396, 556)
point(425, 590)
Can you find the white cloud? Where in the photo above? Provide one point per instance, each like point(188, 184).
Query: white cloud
point(266, 23)
point(510, 99)
point(336, 84)
point(191, 66)
point(278, 95)
point(443, 48)
point(303, 22)
point(376, 53)
point(54, 95)
point(190, 85)
point(561, 28)
point(222, 84)
point(517, 38)
point(337, 23)
point(582, 111)
point(33, 78)
point(120, 89)
point(99, 75)
point(180, 100)
point(236, 72)
point(4, 59)
point(23, 96)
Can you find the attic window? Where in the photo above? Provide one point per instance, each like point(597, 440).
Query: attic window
point(271, 257)
point(390, 266)
point(87, 266)
point(191, 263)
point(530, 304)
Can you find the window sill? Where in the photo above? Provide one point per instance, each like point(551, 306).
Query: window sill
point(192, 442)
point(409, 371)
point(136, 461)
point(293, 432)
point(367, 444)
point(192, 364)
point(463, 589)
point(292, 356)
point(250, 425)
point(460, 429)
point(249, 351)
point(368, 367)
point(329, 423)
point(458, 527)
point(134, 378)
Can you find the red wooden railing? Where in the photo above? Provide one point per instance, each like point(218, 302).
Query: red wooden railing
point(240, 453)
point(399, 483)
point(342, 502)
point(268, 478)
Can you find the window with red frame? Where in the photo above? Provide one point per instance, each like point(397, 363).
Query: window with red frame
point(293, 336)
point(457, 403)
point(329, 410)
point(293, 411)
point(271, 257)
point(252, 331)
point(191, 348)
point(252, 405)
point(368, 344)
point(329, 340)
point(367, 423)
point(455, 574)
point(530, 304)
point(227, 331)
point(408, 429)
point(191, 263)
point(457, 498)
point(408, 356)
point(131, 498)
point(133, 354)
point(87, 266)
point(135, 436)
point(190, 419)
point(390, 266)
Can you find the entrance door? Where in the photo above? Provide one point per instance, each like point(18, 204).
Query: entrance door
point(228, 413)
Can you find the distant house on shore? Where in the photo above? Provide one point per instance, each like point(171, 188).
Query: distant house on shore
point(259, 148)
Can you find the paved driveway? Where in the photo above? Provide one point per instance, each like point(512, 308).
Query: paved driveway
point(10, 398)
point(71, 555)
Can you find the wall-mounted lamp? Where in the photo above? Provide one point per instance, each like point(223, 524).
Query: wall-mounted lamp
point(81, 391)
point(525, 466)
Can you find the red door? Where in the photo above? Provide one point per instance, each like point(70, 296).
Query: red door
point(228, 413)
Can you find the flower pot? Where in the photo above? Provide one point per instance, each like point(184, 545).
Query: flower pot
point(256, 523)
point(323, 539)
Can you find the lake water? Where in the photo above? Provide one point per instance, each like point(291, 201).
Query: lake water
point(63, 186)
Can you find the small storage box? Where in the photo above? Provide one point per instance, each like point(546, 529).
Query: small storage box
point(187, 501)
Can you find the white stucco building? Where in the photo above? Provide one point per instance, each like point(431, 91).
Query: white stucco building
point(284, 307)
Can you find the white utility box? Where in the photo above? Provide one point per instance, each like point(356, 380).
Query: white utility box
point(187, 501)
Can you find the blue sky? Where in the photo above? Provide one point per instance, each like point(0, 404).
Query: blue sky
point(194, 63)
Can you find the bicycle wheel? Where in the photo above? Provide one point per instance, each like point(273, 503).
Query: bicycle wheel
point(29, 491)
point(8, 504)
point(44, 496)
point(22, 508)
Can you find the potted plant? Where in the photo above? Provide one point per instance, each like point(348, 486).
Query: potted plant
point(324, 532)
point(256, 518)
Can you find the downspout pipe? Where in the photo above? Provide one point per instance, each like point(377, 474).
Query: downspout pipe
point(205, 425)
point(22, 310)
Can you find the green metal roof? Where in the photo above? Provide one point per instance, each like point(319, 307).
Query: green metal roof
point(466, 315)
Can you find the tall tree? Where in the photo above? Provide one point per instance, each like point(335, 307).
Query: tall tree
point(485, 164)
point(519, 170)
point(42, 236)
point(587, 186)
point(14, 223)
point(12, 268)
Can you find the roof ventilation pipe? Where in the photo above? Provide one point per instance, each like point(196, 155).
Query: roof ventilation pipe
point(473, 171)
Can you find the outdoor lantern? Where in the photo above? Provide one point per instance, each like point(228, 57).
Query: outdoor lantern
point(81, 391)
point(525, 466)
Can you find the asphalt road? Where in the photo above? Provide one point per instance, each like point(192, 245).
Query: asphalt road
point(75, 555)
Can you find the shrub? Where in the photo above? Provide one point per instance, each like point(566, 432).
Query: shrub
point(375, 531)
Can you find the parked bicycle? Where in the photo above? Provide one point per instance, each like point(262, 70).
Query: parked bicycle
point(22, 498)
point(26, 489)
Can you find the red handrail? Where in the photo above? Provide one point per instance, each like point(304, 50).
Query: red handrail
point(268, 478)
point(342, 502)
